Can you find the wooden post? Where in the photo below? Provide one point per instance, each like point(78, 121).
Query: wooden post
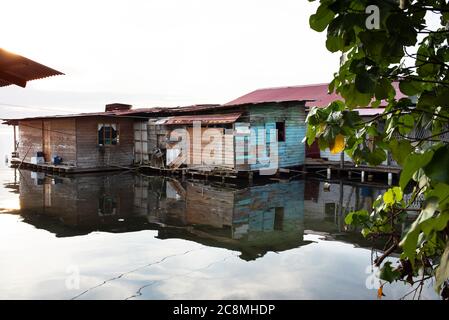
point(342, 160)
point(250, 177)
point(15, 139)
point(340, 211)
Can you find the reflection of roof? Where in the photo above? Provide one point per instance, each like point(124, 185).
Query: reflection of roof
point(15, 69)
point(205, 119)
point(314, 95)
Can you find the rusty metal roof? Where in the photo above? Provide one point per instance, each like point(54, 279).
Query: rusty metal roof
point(314, 95)
point(125, 114)
point(204, 119)
point(15, 69)
point(132, 113)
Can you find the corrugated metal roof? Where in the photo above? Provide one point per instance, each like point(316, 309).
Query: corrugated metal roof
point(314, 95)
point(132, 113)
point(77, 115)
point(204, 119)
point(15, 69)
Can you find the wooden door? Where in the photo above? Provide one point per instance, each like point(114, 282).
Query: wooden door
point(46, 143)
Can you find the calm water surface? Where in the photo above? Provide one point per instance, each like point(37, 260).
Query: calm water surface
point(125, 236)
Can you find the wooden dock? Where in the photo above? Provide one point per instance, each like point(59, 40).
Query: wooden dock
point(63, 169)
point(349, 166)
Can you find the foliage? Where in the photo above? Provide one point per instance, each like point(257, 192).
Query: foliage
point(409, 51)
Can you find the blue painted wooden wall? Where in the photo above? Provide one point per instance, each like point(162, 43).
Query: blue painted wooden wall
point(292, 151)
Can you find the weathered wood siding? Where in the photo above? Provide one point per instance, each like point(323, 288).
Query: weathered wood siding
point(85, 202)
point(60, 135)
point(225, 157)
point(30, 139)
point(206, 205)
point(63, 140)
point(91, 155)
point(199, 149)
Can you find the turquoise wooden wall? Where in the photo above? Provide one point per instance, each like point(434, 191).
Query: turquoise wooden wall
point(256, 206)
point(292, 151)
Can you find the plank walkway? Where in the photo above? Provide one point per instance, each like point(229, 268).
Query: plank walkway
point(349, 166)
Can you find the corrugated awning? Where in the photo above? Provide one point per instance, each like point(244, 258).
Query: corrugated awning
point(15, 69)
point(204, 119)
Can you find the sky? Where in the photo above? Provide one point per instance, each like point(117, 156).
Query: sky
point(159, 52)
point(156, 53)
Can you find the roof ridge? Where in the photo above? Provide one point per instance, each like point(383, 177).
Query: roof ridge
point(295, 86)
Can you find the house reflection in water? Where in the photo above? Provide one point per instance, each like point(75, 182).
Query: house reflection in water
point(252, 220)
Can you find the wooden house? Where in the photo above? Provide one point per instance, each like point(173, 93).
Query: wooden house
point(83, 142)
point(254, 133)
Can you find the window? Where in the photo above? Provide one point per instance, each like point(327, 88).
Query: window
point(278, 218)
point(280, 127)
point(107, 205)
point(108, 134)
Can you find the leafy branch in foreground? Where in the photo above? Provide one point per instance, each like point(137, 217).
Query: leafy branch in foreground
point(408, 46)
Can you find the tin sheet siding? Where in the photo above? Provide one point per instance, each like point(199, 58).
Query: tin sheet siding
point(91, 155)
point(291, 152)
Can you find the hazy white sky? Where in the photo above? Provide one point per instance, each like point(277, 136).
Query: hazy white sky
point(159, 52)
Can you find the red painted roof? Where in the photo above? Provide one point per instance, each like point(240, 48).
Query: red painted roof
point(314, 95)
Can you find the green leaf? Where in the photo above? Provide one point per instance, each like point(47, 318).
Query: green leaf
point(321, 19)
point(376, 157)
point(392, 196)
point(388, 198)
point(438, 168)
point(355, 98)
point(442, 272)
point(400, 149)
point(365, 82)
point(410, 240)
point(408, 244)
point(412, 163)
point(384, 89)
point(389, 274)
point(440, 191)
point(357, 217)
point(410, 87)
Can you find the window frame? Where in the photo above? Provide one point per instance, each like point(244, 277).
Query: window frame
point(284, 131)
point(102, 125)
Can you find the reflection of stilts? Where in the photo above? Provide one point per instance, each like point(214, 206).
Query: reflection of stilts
point(340, 207)
point(342, 210)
